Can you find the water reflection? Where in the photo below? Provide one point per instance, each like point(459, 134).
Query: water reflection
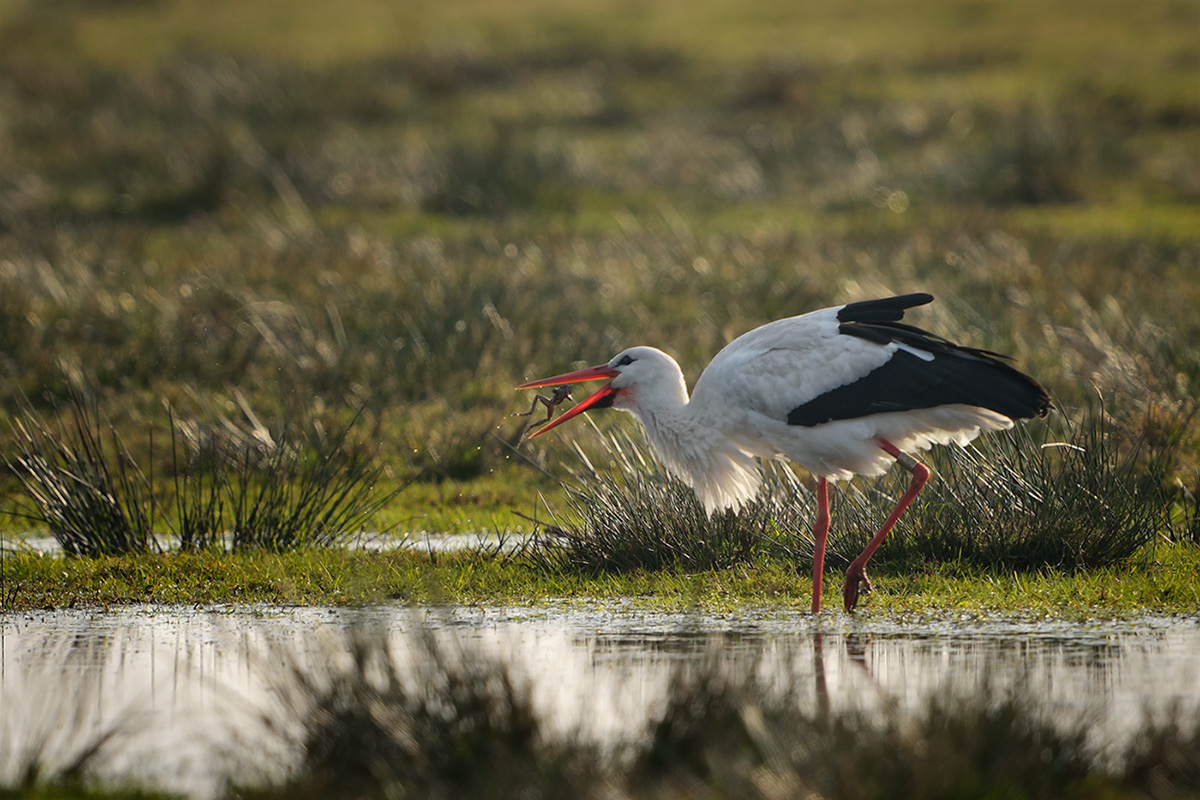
point(188, 689)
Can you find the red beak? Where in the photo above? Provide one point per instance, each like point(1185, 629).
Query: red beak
point(601, 399)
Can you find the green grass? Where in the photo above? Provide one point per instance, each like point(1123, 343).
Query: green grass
point(258, 213)
point(1055, 494)
point(252, 215)
point(297, 486)
point(93, 503)
point(1161, 580)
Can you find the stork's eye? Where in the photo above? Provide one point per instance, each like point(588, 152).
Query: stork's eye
point(625, 361)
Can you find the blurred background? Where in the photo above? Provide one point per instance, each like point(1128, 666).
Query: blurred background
point(254, 212)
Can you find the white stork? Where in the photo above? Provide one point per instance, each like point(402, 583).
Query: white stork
point(841, 391)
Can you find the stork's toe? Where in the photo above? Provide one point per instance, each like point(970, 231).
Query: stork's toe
point(857, 583)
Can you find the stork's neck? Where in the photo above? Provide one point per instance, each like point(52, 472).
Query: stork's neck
point(661, 405)
point(694, 446)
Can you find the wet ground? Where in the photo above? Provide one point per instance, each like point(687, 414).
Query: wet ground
point(440, 542)
point(188, 690)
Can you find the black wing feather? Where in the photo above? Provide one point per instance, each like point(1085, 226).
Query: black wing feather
point(887, 309)
point(954, 374)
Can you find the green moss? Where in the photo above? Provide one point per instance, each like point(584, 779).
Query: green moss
point(1165, 581)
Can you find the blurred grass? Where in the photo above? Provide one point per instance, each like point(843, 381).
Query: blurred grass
point(450, 720)
point(436, 714)
point(933, 33)
point(291, 207)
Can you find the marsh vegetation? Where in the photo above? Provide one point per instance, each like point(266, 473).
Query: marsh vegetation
point(267, 279)
point(412, 224)
point(268, 297)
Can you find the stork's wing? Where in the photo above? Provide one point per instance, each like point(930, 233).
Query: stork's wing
point(859, 359)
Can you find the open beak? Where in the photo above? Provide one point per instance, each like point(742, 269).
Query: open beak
point(601, 399)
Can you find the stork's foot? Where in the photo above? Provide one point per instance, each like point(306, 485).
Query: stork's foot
point(856, 584)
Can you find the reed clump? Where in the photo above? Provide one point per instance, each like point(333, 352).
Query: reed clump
point(83, 485)
point(1069, 494)
point(1065, 494)
point(625, 513)
point(448, 722)
point(451, 722)
point(243, 488)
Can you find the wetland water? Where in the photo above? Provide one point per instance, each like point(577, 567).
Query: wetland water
point(187, 689)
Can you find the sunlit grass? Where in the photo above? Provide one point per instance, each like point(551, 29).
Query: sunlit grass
point(1162, 579)
point(1138, 37)
point(255, 213)
point(299, 486)
point(234, 215)
point(81, 482)
point(1066, 494)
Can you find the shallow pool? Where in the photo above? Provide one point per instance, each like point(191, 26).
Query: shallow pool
point(187, 690)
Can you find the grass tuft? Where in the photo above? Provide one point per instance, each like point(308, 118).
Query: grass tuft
point(299, 486)
point(633, 515)
point(268, 490)
point(1185, 512)
point(305, 493)
point(1068, 495)
point(446, 723)
point(1079, 495)
point(435, 716)
point(444, 720)
point(90, 494)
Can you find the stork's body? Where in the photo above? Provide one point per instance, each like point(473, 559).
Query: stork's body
point(841, 391)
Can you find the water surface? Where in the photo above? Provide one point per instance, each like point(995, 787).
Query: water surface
point(188, 689)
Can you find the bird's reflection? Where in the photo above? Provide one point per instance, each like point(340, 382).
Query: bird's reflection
point(856, 645)
point(819, 673)
point(856, 649)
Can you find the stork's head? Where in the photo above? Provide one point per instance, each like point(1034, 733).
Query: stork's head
point(640, 379)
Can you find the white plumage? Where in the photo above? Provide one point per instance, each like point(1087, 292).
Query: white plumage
point(841, 391)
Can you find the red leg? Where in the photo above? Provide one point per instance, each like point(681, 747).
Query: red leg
point(820, 534)
point(856, 576)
